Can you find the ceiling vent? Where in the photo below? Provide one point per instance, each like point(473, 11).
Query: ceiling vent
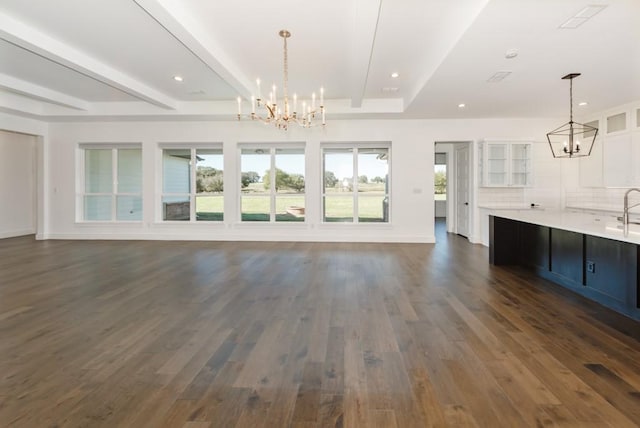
point(498, 76)
point(583, 16)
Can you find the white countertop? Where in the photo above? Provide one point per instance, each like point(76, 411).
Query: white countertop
point(604, 226)
point(492, 206)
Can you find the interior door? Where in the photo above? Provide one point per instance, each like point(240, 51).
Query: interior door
point(462, 190)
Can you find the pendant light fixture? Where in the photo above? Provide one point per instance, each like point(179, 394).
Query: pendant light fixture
point(284, 114)
point(572, 139)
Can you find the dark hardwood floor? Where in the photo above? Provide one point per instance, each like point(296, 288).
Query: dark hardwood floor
point(207, 334)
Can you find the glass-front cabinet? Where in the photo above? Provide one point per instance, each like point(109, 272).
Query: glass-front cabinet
point(505, 164)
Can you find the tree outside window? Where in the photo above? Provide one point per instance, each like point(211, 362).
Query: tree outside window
point(192, 194)
point(273, 184)
point(440, 182)
point(356, 184)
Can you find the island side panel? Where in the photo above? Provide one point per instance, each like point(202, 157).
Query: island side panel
point(534, 246)
point(612, 272)
point(503, 241)
point(567, 257)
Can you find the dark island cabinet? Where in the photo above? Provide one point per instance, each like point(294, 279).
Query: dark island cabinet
point(603, 270)
point(610, 266)
point(534, 246)
point(567, 257)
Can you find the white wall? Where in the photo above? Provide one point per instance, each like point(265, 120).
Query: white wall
point(17, 184)
point(412, 154)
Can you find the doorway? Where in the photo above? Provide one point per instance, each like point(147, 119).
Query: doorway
point(18, 162)
point(462, 190)
point(454, 159)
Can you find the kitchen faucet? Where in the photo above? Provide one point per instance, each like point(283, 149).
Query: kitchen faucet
point(625, 213)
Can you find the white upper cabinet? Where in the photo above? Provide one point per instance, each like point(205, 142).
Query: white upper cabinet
point(617, 161)
point(615, 157)
point(591, 166)
point(505, 164)
point(621, 150)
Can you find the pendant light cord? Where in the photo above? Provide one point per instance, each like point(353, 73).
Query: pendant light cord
point(571, 100)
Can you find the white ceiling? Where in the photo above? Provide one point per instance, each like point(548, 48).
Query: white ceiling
point(115, 59)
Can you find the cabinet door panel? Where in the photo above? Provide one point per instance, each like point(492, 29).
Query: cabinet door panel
point(497, 164)
point(591, 173)
point(617, 168)
point(635, 157)
point(615, 270)
point(520, 164)
point(567, 255)
point(534, 246)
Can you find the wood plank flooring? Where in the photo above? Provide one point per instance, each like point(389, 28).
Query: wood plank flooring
point(206, 334)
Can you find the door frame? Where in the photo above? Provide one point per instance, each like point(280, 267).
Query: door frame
point(451, 219)
point(456, 226)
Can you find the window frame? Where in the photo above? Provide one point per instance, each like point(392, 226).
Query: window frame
point(356, 147)
point(193, 193)
point(81, 184)
point(271, 149)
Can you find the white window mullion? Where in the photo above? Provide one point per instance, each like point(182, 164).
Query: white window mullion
point(354, 185)
point(272, 187)
point(192, 185)
point(114, 183)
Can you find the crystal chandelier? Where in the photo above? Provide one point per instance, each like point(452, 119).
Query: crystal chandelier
point(283, 115)
point(572, 139)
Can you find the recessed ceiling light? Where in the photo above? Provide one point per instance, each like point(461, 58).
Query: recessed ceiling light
point(511, 53)
point(177, 78)
point(395, 75)
point(462, 105)
point(583, 103)
point(390, 90)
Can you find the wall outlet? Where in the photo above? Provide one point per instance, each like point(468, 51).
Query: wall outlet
point(591, 266)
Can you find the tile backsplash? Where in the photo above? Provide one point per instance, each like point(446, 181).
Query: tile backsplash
point(600, 198)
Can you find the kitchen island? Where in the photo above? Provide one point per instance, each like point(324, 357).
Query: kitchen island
point(588, 254)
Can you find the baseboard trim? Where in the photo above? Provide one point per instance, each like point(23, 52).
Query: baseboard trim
point(15, 233)
point(413, 239)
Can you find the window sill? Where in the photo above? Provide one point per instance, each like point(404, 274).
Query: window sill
point(267, 224)
point(338, 225)
point(133, 224)
point(169, 223)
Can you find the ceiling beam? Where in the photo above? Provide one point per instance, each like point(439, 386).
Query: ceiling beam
point(20, 106)
point(365, 26)
point(33, 40)
point(41, 93)
point(190, 33)
point(449, 36)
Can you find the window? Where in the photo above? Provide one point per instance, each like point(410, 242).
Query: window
point(440, 179)
point(192, 194)
point(440, 184)
point(112, 188)
point(273, 185)
point(356, 184)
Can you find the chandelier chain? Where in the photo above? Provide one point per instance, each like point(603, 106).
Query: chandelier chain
point(286, 76)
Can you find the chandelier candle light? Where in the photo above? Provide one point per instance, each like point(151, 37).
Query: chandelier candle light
point(283, 115)
point(572, 139)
